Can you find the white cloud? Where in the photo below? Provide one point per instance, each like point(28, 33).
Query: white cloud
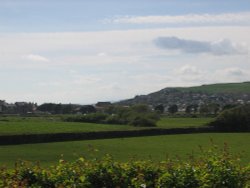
point(190, 74)
point(102, 54)
point(128, 64)
point(221, 47)
point(225, 18)
point(35, 57)
point(235, 71)
point(188, 70)
point(85, 80)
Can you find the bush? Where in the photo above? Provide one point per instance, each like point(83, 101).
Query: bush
point(234, 119)
point(137, 115)
point(215, 168)
point(89, 118)
point(143, 120)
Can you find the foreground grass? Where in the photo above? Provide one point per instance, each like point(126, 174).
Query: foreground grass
point(53, 124)
point(156, 148)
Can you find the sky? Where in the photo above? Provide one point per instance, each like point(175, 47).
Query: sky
point(79, 51)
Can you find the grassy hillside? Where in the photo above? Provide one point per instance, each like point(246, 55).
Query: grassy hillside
point(220, 88)
point(228, 91)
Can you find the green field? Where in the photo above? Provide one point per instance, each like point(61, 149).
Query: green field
point(123, 149)
point(38, 125)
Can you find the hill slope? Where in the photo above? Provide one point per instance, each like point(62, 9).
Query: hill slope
point(226, 93)
point(243, 87)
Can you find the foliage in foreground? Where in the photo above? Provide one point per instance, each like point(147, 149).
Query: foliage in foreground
point(234, 119)
point(214, 168)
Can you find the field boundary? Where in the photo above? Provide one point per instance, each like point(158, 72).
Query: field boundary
point(60, 137)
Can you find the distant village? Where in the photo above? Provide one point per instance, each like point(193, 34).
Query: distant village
point(50, 108)
point(164, 101)
point(173, 100)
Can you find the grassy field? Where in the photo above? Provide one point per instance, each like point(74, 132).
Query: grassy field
point(155, 147)
point(35, 125)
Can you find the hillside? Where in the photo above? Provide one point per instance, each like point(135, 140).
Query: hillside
point(243, 87)
point(222, 94)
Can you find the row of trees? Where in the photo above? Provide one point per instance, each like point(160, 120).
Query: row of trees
point(66, 108)
point(17, 108)
point(137, 115)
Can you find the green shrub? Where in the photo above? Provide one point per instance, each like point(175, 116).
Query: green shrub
point(234, 119)
point(214, 168)
point(142, 120)
point(89, 118)
point(137, 115)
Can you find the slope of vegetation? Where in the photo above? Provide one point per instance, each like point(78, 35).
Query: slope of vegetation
point(220, 88)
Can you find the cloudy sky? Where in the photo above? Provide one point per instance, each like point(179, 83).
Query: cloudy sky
point(79, 51)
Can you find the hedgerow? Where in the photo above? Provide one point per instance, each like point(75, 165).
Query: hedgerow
point(233, 119)
point(214, 168)
point(137, 115)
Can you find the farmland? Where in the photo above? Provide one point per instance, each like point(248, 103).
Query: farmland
point(123, 149)
point(39, 125)
point(155, 147)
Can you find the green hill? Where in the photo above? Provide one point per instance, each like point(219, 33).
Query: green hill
point(243, 87)
point(223, 93)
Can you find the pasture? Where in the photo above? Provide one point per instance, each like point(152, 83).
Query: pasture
point(54, 124)
point(156, 148)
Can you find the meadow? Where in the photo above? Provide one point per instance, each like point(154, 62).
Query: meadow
point(54, 124)
point(156, 148)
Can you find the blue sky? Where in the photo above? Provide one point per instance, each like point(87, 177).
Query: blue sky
point(87, 51)
point(81, 15)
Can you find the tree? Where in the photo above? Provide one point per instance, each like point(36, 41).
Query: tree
point(159, 108)
point(234, 119)
point(47, 107)
point(86, 109)
point(67, 109)
point(191, 108)
point(211, 108)
point(141, 108)
point(173, 109)
point(58, 109)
